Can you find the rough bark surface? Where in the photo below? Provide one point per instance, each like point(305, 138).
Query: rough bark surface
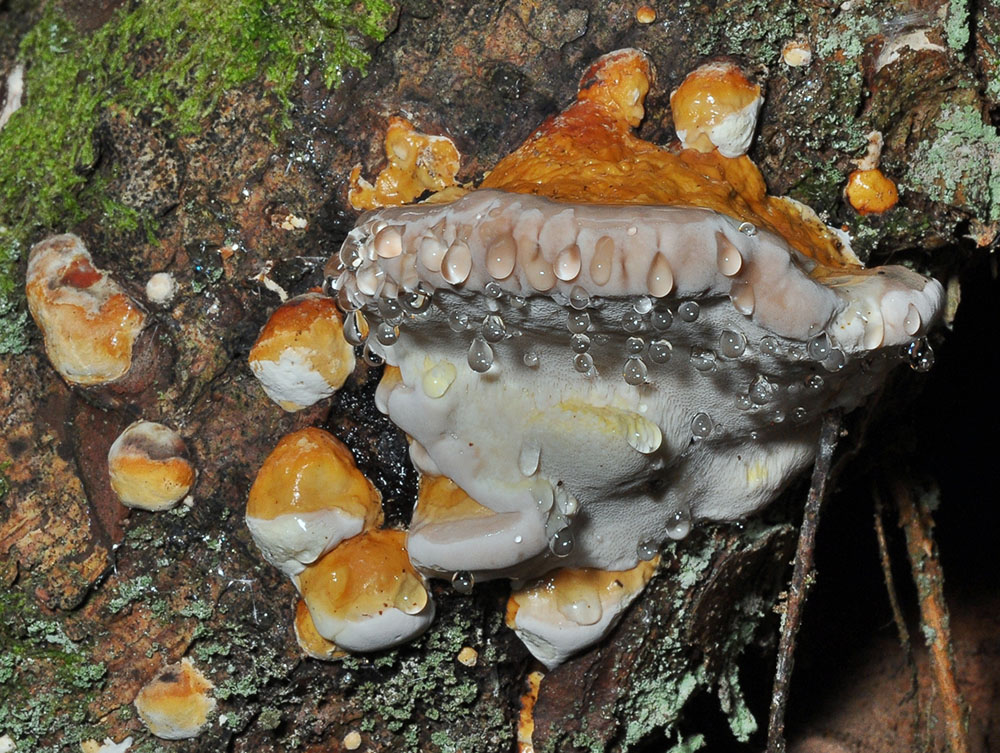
point(95, 598)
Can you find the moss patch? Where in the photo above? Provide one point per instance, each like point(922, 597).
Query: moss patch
point(169, 60)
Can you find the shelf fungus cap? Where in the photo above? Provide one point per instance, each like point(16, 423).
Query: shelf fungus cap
point(310, 641)
point(301, 356)
point(149, 466)
point(308, 497)
point(568, 610)
point(90, 324)
point(364, 595)
point(716, 106)
point(176, 704)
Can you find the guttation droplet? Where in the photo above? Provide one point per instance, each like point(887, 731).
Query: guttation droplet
point(689, 311)
point(634, 346)
point(577, 321)
point(819, 347)
point(635, 371)
point(660, 351)
point(531, 359)
point(583, 363)
point(920, 355)
point(371, 357)
point(463, 581)
point(679, 524)
point(761, 390)
point(647, 550)
point(494, 329)
point(480, 355)
point(579, 343)
point(579, 298)
point(703, 360)
point(815, 382)
point(561, 544)
point(732, 344)
point(748, 229)
point(529, 457)
point(492, 290)
point(458, 321)
point(386, 334)
point(701, 425)
point(643, 304)
point(661, 319)
point(355, 328)
point(770, 345)
point(631, 322)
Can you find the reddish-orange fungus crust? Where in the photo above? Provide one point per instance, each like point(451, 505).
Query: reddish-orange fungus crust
point(589, 154)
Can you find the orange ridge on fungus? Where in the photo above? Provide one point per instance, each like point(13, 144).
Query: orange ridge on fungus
point(589, 154)
point(311, 471)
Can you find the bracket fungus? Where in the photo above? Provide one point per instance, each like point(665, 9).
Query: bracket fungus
point(300, 356)
point(175, 704)
point(149, 467)
point(609, 341)
point(90, 324)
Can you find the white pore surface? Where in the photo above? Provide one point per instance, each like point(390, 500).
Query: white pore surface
point(294, 540)
point(292, 380)
point(384, 629)
point(705, 436)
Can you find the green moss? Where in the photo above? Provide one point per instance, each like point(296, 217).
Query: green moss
point(172, 61)
point(46, 680)
point(961, 165)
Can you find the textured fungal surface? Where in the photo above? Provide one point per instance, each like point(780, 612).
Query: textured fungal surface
point(599, 372)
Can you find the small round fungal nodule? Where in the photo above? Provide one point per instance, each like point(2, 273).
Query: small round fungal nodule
point(149, 467)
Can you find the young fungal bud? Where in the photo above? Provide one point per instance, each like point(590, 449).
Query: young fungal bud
point(149, 467)
point(301, 356)
point(90, 324)
point(716, 107)
point(308, 497)
point(175, 704)
point(364, 595)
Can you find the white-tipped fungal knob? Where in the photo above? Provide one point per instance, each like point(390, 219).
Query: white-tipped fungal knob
point(176, 704)
point(308, 497)
point(568, 610)
point(89, 323)
point(364, 595)
point(716, 106)
point(301, 356)
point(149, 467)
point(160, 288)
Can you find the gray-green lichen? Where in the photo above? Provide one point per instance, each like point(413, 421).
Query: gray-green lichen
point(956, 25)
point(960, 166)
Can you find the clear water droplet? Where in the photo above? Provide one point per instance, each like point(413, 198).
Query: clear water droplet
point(703, 360)
point(386, 334)
point(643, 435)
point(416, 301)
point(457, 263)
point(458, 321)
point(815, 383)
point(371, 357)
point(661, 319)
point(732, 343)
point(529, 457)
point(518, 301)
point(761, 391)
point(679, 524)
point(634, 371)
point(911, 322)
point(647, 550)
point(579, 298)
point(770, 345)
point(743, 402)
point(643, 305)
point(631, 322)
point(562, 543)
point(390, 310)
point(835, 361)
point(577, 321)
point(660, 351)
point(492, 290)
point(346, 299)
point(531, 359)
point(920, 355)
point(743, 298)
point(583, 363)
point(702, 425)
point(660, 277)
point(579, 343)
point(778, 416)
point(819, 347)
point(493, 329)
point(355, 328)
point(328, 286)
point(541, 492)
point(800, 414)
point(689, 311)
point(748, 229)
point(728, 257)
point(480, 355)
point(463, 581)
point(634, 346)
point(568, 263)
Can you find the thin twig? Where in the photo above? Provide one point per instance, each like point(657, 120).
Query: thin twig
point(915, 520)
point(802, 576)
